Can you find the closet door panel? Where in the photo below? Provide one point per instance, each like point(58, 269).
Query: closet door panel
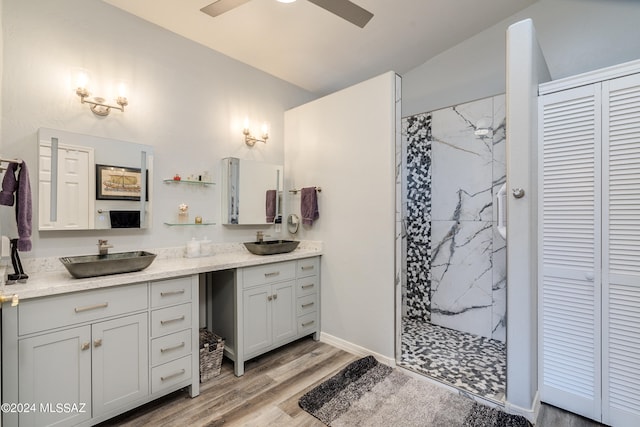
point(621, 255)
point(569, 291)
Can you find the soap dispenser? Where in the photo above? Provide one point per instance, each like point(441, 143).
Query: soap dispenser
point(193, 248)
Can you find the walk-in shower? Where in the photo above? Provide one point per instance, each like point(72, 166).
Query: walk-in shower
point(453, 257)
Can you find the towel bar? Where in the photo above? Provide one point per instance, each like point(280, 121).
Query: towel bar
point(295, 191)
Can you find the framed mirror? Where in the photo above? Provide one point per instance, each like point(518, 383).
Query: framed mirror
point(88, 183)
point(251, 192)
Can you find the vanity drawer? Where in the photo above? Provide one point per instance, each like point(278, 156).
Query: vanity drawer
point(171, 373)
point(307, 323)
point(170, 319)
point(62, 310)
point(307, 285)
point(170, 347)
point(308, 267)
point(307, 304)
point(269, 273)
point(170, 291)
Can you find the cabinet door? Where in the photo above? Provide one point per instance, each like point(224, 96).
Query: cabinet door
point(257, 318)
point(283, 311)
point(570, 283)
point(120, 362)
point(621, 246)
point(55, 369)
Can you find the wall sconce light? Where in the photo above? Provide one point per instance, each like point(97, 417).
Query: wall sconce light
point(97, 104)
point(251, 140)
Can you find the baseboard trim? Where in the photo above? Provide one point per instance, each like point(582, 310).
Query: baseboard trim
point(355, 349)
point(530, 414)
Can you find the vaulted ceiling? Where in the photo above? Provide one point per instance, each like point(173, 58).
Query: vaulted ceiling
point(316, 50)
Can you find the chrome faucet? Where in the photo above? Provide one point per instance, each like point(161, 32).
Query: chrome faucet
point(259, 236)
point(103, 247)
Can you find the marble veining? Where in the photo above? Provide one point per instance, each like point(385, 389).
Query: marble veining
point(454, 262)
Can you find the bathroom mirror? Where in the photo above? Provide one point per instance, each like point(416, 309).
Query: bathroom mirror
point(91, 183)
point(251, 192)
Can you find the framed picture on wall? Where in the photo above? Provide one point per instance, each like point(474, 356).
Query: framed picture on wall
point(119, 183)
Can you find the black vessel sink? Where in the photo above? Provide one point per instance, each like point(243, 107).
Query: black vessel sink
point(102, 265)
point(271, 247)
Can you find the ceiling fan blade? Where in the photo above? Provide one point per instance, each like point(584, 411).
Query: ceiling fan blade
point(221, 6)
point(346, 10)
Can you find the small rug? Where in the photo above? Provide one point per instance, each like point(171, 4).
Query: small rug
point(368, 393)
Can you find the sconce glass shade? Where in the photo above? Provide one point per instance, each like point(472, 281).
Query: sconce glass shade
point(97, 104)
point(251, 140)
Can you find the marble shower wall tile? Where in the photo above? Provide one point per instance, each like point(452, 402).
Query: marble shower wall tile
point(450, 177)
point(499, 288)
point(462, 163)
point(462, 280)
point(499, 325)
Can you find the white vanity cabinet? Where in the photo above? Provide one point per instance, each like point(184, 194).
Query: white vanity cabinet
point(83, 357)
point(268, 300)
point(260, 308)
point(174, 333)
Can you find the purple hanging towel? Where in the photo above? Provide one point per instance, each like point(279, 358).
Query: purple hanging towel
point(24, 209)
point(9, 185)
point(309, 205)
point(271, 205)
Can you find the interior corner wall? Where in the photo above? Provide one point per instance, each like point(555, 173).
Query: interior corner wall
point(576, 36)
point(345, 144)
point(187, 101)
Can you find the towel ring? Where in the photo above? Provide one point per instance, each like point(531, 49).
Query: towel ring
point(293, 223)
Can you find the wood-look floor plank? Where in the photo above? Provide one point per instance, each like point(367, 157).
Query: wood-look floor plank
point(264, 395)
point(268, 393)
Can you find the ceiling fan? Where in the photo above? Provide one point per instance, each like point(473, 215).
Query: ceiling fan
point(343, 8)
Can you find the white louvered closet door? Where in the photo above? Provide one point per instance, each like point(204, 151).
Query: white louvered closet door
point(570, 288)
point(621, 251)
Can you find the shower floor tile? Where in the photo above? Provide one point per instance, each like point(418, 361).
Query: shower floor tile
point(469, 362)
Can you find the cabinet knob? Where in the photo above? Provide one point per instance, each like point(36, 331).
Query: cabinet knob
point(97, 342)
point(275, 296)
point(269, 298)
point(85, 346)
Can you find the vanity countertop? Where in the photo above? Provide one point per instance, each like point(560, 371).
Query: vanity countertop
point(46, 283)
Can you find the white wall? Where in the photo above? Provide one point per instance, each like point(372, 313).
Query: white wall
point(187, 101)
point(345, 144)
point(526, 69)
point(575, 35)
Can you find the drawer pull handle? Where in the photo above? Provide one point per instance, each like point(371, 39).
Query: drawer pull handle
point(85, 346)
point(175, 347)
point(307, 267)
point(91, 307)
point(309, 304)
point(175, 374)
point(272, 274)
point(168, 293)
point(97, 342)
point(308, 286)
point(175, 319)
point(310, 322)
